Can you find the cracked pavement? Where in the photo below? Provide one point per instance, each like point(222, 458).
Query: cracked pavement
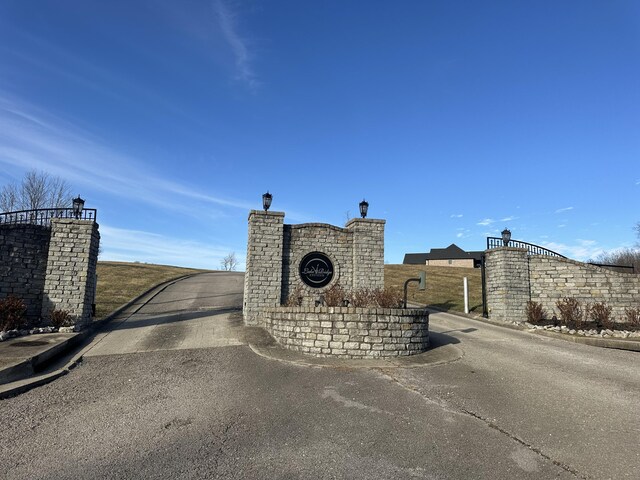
point(176, 392)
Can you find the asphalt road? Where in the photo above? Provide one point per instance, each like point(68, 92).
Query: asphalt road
point(175, 391)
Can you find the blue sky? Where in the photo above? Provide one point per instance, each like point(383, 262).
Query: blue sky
point(454, 119)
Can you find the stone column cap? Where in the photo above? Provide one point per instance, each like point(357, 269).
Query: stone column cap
point(365, 220)
point(506, 249)
point(265, 214)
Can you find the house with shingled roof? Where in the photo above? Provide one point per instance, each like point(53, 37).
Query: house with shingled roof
point(452, 256)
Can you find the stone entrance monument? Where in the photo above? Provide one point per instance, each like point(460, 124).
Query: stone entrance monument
point(309, 259)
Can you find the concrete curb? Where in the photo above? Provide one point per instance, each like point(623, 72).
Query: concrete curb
point(20, 372)
point(30, 365)
point(616, 343)
point(435, 355)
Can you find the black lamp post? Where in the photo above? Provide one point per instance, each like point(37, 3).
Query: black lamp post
point(266, 200)
point(364, 208)
point(506, 237)
point(78, 205)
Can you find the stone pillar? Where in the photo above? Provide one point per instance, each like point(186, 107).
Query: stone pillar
point(508, 285)
point(263, 277)
point(368, 252)
point(70, 281)
point(23, 265)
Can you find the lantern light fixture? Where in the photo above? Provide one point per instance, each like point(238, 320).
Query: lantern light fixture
point(266, 200)
point(78, 205)
point(506, 237)
point(364, 208)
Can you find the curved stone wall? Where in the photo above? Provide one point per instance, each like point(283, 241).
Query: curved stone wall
point(552, 279)
point(348, 332)
point(514, 278)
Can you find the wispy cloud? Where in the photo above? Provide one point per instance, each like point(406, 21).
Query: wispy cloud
point(227, 20)
point(456, 215)
point(85, 74)
point(486, 221)
point(32, 139)
point(566, 209)
point(139, 246)
point(581, 250)
point(508, 219)
point(462, 233)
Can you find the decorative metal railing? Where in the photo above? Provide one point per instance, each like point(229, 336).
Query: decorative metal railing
point(43, 216)
point(496, 242)
point(616, 268)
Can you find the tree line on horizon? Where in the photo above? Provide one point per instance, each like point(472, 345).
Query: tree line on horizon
point(628, 256)
point(36, 190)
point(40, 189)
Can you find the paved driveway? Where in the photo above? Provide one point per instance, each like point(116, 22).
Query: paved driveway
point(176, 392)
point(191, 313)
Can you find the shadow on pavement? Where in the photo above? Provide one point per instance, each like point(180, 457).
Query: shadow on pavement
point(178, 316)
point(200, 297)
point(440, 340)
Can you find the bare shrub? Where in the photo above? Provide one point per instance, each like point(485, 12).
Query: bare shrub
point(382, 297)
point(335, 296)
point(295, 297)
point(570, 311)
point(12, 313)
point(632, 316)
point(600, 313)
point(60, 318)
point(388, 297)
point(535, 312)
point(362, 297)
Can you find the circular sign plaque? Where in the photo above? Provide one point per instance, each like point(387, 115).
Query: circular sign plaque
point(316, 270)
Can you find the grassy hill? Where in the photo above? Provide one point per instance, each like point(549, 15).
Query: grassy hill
point(444, 285)
point(120, 282)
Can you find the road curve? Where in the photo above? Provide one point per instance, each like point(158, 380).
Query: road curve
point(175, 392)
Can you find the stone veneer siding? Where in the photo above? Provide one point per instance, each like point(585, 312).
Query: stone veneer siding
point(274, 252)
point(507, 284)
point(350, 332)
point(70, 281)
point(368, 252)
point(299, 240)
point(263, 276)
point(514, 278)
point(461, 262)
point(23, 264)
point(555, 278)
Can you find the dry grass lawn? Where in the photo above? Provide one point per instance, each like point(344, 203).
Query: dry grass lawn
point(119, 282)
point(444, 285)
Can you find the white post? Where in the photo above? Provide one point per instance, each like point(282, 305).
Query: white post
point(466, 295)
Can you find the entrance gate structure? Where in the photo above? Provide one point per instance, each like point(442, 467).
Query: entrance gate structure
point(517, 272)
point(288, 269)
point(48, 259)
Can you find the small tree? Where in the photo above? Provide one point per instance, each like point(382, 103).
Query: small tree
point(36, 190)
point(229, 262)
